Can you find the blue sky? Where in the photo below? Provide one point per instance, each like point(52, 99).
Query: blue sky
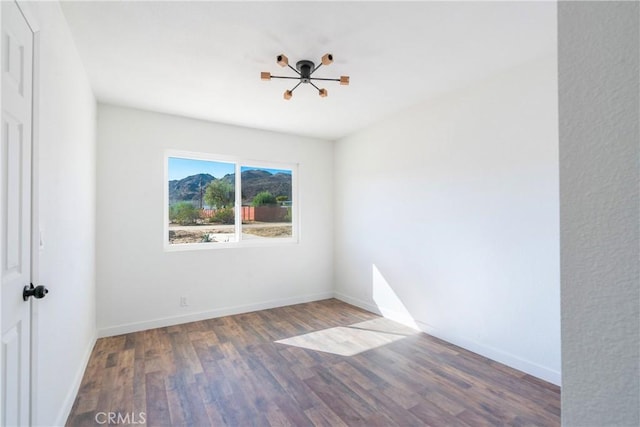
point(181, 168)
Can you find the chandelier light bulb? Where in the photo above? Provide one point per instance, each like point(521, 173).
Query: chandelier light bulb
point(282, 60)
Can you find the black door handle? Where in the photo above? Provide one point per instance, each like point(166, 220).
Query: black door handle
point(36, 292)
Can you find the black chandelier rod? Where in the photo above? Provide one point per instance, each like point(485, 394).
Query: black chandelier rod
point(298, 78)
point(328, 80)
point(294, 88)
point(314, 86)
point(286, 77)
point(297, 72)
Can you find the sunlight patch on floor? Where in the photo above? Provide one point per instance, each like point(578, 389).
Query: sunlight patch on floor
point(353, 339)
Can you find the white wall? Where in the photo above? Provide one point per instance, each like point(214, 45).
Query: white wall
point(599, 87)
point(447, 216)
point(64, 321)
point(139, 284)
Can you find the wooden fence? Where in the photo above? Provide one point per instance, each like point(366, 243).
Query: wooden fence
point(251, 213)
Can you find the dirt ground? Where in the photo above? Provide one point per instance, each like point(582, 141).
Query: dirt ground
point(198, 234)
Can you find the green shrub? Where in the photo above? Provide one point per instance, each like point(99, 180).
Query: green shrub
point(264, 198)
point(183, 213)
point(224, 216)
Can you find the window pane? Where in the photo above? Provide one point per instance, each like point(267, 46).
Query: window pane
point(267, 203)
point(201, 201)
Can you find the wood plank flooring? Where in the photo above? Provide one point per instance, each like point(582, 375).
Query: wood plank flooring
point(335, 365)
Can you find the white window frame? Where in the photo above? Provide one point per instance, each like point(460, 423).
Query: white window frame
point(238, 162)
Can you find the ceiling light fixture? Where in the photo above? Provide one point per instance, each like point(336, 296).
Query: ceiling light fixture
point(304, 69)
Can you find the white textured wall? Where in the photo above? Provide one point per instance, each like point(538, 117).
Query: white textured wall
point(139, 284)
point(64, 321)
point(447, 215)
point(599, 152)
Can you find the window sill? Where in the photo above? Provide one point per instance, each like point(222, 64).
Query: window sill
point(250, 243)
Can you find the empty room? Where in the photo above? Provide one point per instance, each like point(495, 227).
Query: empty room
point(283, 213)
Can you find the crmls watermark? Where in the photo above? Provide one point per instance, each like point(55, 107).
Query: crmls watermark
point(114, 418)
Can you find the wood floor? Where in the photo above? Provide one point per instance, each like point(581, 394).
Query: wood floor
point(335, 365)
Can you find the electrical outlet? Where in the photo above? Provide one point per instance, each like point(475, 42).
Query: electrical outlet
point(183, 302)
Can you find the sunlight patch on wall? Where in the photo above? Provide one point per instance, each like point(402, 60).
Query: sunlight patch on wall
point(388, 301)
point(353, 339)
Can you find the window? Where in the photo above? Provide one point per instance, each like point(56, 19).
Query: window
point(216, 202)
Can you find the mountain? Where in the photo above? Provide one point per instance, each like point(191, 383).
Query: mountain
point(253, 182)
point(256, 181)
point(189, 189)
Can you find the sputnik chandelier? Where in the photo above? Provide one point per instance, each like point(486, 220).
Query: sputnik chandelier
point(304, 69)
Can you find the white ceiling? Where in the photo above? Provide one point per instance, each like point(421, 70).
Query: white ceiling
point(203, 59)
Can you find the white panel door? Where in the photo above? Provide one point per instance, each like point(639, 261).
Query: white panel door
point(15, 215)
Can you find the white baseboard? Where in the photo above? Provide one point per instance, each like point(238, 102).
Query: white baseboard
point(358, 303)
point(497, 355)
point(492, 353)
point(209, 314)
point(70, 398)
